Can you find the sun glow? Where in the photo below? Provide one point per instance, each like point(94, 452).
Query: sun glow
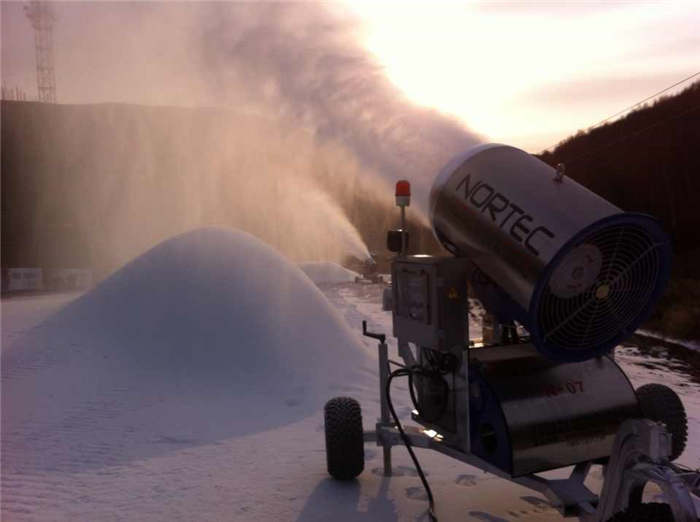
point(525, 73)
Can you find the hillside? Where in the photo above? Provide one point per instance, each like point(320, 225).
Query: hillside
point(95, 185)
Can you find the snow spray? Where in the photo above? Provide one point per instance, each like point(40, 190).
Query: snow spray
point(301, 128)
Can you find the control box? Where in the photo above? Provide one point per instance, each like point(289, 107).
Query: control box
point(430, 303)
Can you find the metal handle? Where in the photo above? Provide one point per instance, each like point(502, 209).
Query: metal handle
point(379, 337)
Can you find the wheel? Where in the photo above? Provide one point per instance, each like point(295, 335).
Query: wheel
point(345, 449)
point(661, 404)
point(653, 512)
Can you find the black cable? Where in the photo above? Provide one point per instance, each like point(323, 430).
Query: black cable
point(412, 393)
point(407, 372)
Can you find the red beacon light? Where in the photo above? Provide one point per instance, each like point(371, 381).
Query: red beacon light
point(403, 193)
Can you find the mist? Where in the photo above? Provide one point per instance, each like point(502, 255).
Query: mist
point(286, 127)
point(311, 66)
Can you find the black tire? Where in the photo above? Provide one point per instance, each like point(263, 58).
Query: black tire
point(653, 512)
point(661, 404)
point(345, 448)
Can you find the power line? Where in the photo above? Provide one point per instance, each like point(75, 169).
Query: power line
point(629, 136)
point(644, 100)
point(588, 129)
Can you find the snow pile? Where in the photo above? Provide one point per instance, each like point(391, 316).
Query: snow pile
point(209, 335)
point(326, 272)
point(685, 343)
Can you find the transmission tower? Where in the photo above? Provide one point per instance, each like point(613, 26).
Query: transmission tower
point(42, 17)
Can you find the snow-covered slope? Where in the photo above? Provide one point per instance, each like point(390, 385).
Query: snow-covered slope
point(134, 403)
point(207, 336)
point(327, 272)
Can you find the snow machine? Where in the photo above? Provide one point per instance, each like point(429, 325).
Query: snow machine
point(564, 276)
point(368, 270)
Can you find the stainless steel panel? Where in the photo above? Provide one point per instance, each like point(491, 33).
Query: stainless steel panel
point(557, 414)
point(503, 208)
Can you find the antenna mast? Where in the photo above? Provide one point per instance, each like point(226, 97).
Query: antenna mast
point(42, 17)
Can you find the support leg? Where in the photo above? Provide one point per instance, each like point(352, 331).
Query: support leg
point(640, 455)
point(384, 419)
point(387, 460)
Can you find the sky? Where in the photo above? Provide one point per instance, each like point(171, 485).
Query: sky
point(532, 73)
point(524, 73)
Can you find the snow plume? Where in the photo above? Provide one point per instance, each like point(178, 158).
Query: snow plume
point(306, 60)
point(302, 135)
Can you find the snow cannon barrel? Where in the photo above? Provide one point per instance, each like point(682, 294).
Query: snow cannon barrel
point(575, 270)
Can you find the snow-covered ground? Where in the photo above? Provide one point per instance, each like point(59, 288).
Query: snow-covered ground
point(327, 272)
point(190, 387)
point(690, 345)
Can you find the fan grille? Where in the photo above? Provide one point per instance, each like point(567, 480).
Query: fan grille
point(629, 273)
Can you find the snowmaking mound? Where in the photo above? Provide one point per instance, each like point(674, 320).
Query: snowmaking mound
point(209, 335)
point(326, 272)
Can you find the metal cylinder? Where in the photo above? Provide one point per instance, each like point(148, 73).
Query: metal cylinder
point(528, 414)
point(580, 273)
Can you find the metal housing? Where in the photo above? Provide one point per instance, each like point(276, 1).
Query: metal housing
point(528, 414)
point(579, 273)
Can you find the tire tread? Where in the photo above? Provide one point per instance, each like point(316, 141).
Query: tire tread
point(661, 404)
point(345, 453)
